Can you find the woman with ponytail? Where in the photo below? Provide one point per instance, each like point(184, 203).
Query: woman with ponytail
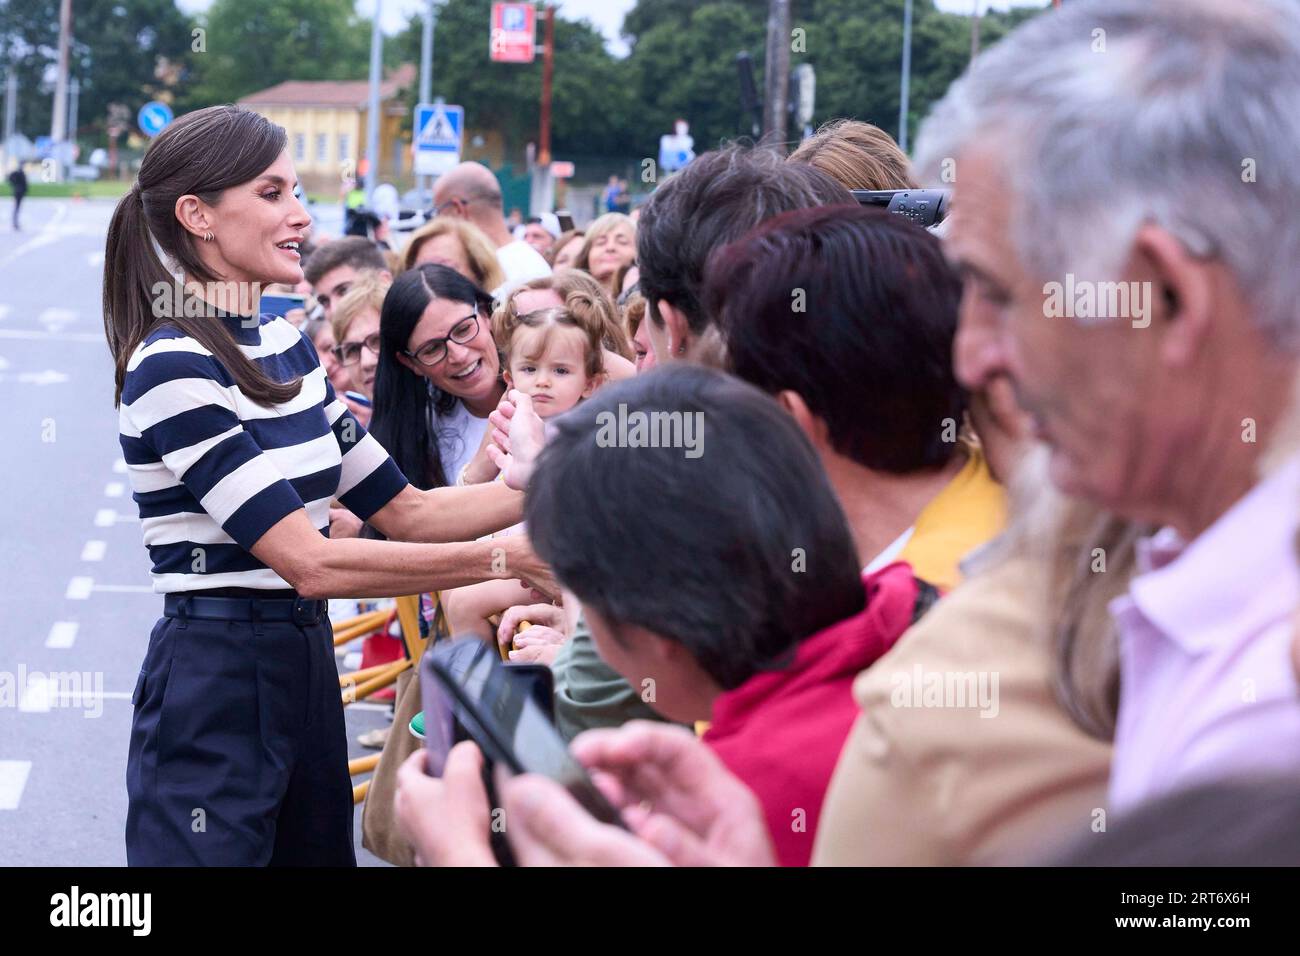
point(236, 444)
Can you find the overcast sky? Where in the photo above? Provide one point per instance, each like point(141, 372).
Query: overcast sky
point(607, 15)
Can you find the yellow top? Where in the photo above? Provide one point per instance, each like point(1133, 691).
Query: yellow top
point(970, 510)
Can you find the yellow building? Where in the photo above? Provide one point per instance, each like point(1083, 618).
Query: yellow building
point(326, 123)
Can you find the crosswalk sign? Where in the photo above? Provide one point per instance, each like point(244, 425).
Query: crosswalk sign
point(438, 132)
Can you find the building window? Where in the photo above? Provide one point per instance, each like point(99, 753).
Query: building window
point(299, 147)
point(322, 148)
point(344, 155)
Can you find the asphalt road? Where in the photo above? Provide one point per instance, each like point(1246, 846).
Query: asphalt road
point(75, 595)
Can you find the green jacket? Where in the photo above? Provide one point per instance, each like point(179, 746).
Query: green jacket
point(588, 692)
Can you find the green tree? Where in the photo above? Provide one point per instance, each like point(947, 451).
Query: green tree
point(127, 52)
point(683, 59)
point(253, 44)
point(683, 65)
point(591, 102)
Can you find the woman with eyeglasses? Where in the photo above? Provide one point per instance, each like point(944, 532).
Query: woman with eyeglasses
point(355, 323)
point(438, 374)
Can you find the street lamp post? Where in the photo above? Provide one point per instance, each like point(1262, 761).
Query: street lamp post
point(59, 120)
point(426, 68)
point(907, 75)
point(372, 113)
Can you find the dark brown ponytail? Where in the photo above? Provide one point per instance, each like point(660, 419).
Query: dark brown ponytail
point(203, 153)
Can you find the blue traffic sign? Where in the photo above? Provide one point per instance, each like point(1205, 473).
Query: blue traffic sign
point(153, 117)
point(439, 130)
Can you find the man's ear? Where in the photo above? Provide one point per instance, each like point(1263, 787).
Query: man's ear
point(677, 328)
point(194, 215)
point(1181, 300)
point(810, 424)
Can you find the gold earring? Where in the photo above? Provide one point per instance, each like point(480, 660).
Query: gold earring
point(208, 236)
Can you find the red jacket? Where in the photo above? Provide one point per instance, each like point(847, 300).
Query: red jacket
point(781, 732)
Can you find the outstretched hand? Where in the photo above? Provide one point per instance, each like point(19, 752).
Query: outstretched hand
point(517, 438)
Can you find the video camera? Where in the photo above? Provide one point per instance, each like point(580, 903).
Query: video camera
point(925, 207)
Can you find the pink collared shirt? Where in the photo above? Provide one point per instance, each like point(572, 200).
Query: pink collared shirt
point(1207, 690)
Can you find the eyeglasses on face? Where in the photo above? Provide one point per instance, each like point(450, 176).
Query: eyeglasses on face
point(350, 352)
point(442, 207)
point(435, 350)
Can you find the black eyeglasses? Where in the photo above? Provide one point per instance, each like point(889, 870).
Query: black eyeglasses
point(435, 350)
point(349, 352)
point(440, 208)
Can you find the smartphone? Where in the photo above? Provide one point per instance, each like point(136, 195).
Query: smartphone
point(565, 219)
point(282, 303)
point(464, 683)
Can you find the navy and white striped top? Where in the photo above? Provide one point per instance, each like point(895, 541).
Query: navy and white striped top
point(212, 471)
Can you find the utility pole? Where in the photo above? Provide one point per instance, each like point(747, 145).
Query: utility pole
point(426, 68)
point(776, 70)
point(59, 122)
point(74, 94)
point(543, 192)
point(372, 113)
point(907, 75)
point(975, 31)
point(11, 111)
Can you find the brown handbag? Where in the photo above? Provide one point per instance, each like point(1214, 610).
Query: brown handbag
point(379, 831)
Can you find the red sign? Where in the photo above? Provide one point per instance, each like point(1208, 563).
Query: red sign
point(514, 33)
point(562, 170)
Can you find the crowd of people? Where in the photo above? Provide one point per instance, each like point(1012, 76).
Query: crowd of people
point(941, 575)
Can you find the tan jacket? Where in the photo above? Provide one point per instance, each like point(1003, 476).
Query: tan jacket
point(923, 784)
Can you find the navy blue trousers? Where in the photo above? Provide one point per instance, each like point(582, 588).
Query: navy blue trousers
point(238, 750)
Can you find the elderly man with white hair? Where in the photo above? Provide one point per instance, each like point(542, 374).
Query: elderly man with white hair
point(1124, 174)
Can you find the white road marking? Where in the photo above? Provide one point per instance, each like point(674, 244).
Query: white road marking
point(97, 337)
point(55, 318)
point(124, 588)
point(94, 550)
point(47, 377)
point(79, 588)
point(62, 634)
point(107, 517)
point(4, 312)
point(95, 258)
point(114, 489)
point(48, 234)
point(37, 695)
point(13, 778)
point(119, 466)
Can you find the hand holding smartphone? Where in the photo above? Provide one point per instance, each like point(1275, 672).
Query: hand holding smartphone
point(505, 709)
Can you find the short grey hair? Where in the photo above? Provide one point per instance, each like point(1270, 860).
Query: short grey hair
point(1113, 113)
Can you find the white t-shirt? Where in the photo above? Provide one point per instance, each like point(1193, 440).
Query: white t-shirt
point(521, 263)
point(459, 434)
